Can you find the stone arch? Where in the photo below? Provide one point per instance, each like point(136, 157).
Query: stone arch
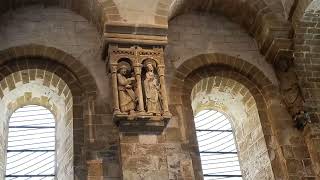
point(25, 55)
point(162, 12)
point(61, 67)
point(94, 11)
point(265, 21)
point(301, 9)
point(225, 62)
point(150, 14)
point(43, 88)
point(236, 101)
point(112, 13)
point(262, 90)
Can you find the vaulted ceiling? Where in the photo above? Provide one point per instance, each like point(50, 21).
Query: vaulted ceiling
point(254, 15)
point(156, 12)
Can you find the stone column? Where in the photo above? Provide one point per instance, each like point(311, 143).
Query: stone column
point(137, 71)
point(91, 112)
point(163, 90)
point(116, 107)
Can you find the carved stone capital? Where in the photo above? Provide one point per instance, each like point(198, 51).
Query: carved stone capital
point(137, 69)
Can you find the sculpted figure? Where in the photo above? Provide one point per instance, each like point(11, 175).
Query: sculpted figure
point(289, 87)
point(127, 97)
point(151, 89)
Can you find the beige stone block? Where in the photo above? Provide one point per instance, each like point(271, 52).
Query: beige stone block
point(95, 170)
point(147, 139)
point(28, 96)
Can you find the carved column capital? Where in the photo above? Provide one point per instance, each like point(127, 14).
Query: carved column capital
point(137, 69)
point(113, 68)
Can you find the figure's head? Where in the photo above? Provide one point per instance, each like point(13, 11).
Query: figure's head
point(123, 67)
point(123, 70)
point(149, 64)
point(150, 67)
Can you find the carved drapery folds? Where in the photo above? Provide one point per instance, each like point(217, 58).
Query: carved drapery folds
point(139, 90)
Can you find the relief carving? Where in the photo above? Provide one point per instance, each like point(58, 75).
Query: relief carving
point(289, 87)
point(151, 88)
point(127, 96)
point(291, 92)
point(138, 83)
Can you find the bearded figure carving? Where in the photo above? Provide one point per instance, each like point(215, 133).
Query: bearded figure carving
point(127, 96)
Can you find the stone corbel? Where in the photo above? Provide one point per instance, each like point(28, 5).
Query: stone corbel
point(301, 120)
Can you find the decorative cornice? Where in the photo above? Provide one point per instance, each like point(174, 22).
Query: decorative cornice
point(136, 34)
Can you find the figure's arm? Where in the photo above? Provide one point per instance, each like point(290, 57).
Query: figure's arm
point(131, 79)
point(122, 80)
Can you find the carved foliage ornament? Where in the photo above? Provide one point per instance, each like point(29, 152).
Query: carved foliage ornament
point(139, 88)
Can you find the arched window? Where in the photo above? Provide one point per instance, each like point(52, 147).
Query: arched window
point(219, 156)
point(31, 144)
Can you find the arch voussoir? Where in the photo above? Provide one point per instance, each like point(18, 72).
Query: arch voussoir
point(216, 63)
point(34, 56)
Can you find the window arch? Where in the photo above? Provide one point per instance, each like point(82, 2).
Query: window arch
point(31, 144)
point(218, 152)
point(46, 89)
point(236, 101)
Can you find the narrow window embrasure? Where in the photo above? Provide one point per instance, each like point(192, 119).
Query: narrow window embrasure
point(219, 156)
point(31, 144)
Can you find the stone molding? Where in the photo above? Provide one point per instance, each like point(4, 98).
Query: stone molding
point(132, 34)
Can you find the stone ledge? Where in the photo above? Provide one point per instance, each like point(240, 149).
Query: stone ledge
point(134, 34)
point(136, 29)
point(135, 39)
point(141, 123)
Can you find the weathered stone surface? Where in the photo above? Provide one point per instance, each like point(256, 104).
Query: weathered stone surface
point(50, 53)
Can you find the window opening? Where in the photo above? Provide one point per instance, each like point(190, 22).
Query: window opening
point(219, 156)
point(31, 144)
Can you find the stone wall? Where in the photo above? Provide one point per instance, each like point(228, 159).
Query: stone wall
point(57, 28)
point(306, 58)
point(155, 156)
point(194, 34)
point(201, 45)
point(65, 37)
point(232, 98)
